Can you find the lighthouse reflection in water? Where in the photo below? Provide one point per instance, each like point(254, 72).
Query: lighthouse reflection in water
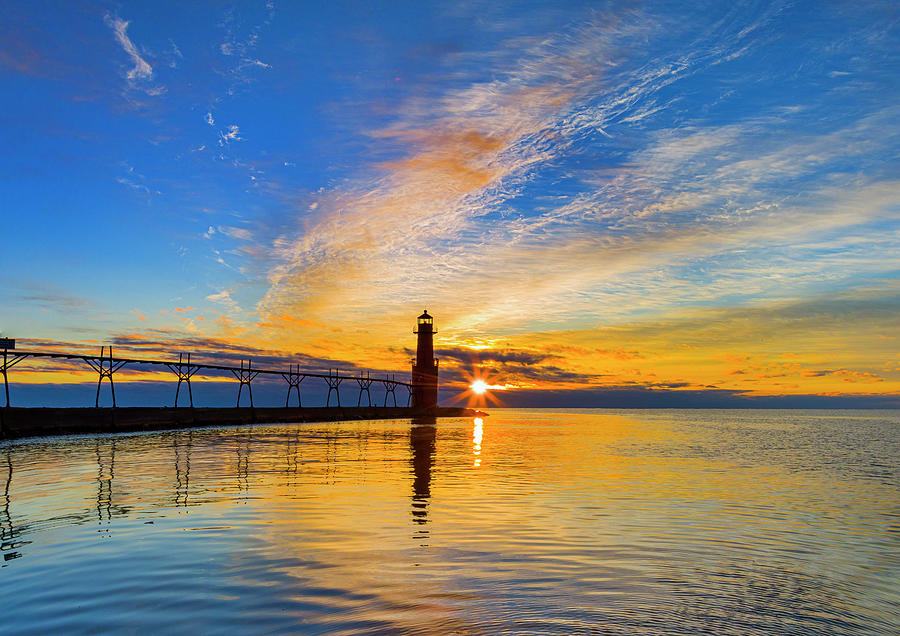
point(422, 435)
point(568, 521)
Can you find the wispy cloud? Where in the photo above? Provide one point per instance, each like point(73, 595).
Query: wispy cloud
point(140, 75)
point(55, 301)
point(49, 296)
point(464, 156)
point(827, 346)
point(134, 179)
point(232, 133)
point(680, 216)
point(224, 297)
point(240, 43)
point(239, 233)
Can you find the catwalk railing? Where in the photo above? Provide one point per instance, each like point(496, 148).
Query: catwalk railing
point(106, 365)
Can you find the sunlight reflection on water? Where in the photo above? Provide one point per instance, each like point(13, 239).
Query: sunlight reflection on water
point(528, 522)
point(477, 432)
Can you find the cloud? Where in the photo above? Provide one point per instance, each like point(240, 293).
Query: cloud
point(462, 159)
point(846, 374)
point(56, 301)
point(232, 133)
point(788, 346)
point(134, 186)
point(224, 297)
point(568, 183)
point(133, 179)
point(691, 213)
point(239, 233)
point(141, 70)
point(49, 296)
point(141, 74)
point(660, 397)
point(243, 27)
point(469, 356)
point(176, 53)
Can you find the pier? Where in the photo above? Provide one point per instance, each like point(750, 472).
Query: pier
point(106, 365)
point(421, 394)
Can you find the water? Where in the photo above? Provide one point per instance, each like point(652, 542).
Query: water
point(562, 522)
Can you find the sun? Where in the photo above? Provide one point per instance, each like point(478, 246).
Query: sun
point(481, 389)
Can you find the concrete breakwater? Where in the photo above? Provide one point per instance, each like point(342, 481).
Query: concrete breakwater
point(30, 422)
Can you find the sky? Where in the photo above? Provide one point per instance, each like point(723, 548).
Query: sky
point(601, 203)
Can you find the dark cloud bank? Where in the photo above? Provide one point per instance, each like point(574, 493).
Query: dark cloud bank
point(271, 392)
point(637, 398)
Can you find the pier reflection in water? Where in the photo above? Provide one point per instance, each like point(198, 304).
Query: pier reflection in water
point(181, 445)
point(8, 543)
point(525, 522)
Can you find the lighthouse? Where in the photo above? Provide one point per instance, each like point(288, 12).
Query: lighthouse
point(425, 367)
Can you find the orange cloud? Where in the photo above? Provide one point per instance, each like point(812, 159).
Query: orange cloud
point(457, 160)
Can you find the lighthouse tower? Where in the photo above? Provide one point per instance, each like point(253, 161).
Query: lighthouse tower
point(425, 367)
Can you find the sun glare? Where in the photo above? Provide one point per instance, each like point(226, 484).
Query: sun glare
point(480, 390)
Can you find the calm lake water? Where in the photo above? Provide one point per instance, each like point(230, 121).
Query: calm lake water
point(530, 521)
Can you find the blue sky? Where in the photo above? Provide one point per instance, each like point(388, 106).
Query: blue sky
point(554, 180)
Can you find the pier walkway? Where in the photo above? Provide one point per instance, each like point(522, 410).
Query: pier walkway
point(31, 422)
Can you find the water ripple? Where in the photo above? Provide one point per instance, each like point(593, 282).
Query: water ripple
point(531, 522)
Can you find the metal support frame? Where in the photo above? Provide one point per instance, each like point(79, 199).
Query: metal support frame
point(364, 384)
point(184, 370)
point(105, 367)
point(293, 378)
point(390, 388)
point(245, 376)
point(409, 387)
point(9, 363)
point(334, 382)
